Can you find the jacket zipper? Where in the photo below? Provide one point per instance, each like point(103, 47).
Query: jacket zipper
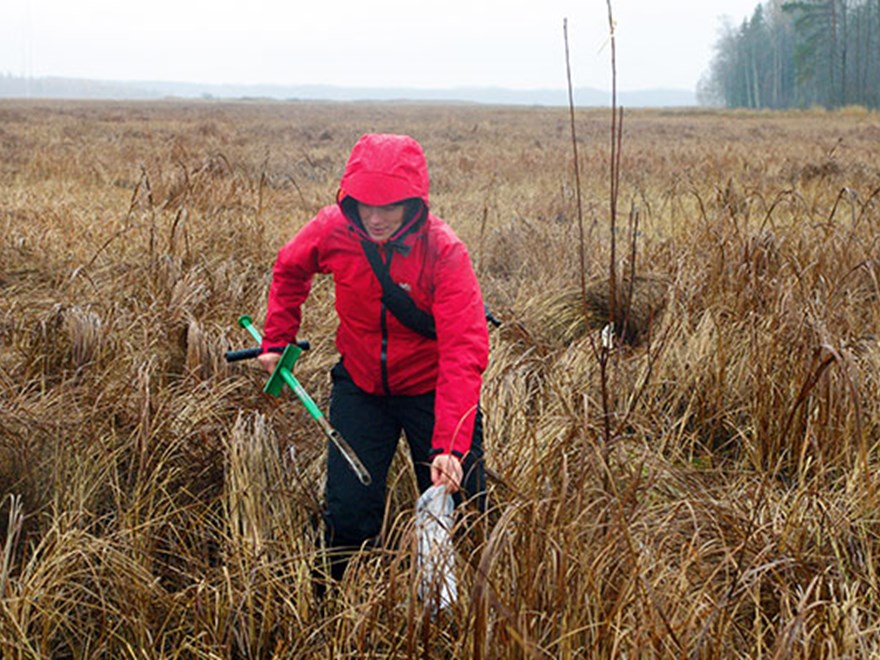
point(384, 354)
point(383, 321)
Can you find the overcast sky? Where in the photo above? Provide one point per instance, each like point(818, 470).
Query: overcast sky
point(516, 44)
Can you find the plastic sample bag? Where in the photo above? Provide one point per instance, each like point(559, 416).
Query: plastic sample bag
point(436, 555)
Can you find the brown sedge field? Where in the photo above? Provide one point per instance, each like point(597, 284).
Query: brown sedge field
point(704, 488)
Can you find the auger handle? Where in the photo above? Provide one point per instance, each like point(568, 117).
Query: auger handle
point(250, 353)
point(247, 323)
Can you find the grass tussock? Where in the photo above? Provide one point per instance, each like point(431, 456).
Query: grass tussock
point(704, 488)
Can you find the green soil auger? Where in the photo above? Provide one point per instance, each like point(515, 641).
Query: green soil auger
point(283, 375)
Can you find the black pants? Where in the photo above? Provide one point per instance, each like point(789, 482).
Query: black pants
point(372, 424)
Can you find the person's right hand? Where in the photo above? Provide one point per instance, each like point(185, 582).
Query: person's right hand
point(268, 361)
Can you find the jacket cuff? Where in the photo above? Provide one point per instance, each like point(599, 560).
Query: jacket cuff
point(436, 451)
point(272, 347)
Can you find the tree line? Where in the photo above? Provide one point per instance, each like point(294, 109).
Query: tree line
point(802, 53)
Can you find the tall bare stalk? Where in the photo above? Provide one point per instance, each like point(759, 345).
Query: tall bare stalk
point(577, 174)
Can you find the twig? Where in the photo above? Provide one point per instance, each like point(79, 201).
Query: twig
point(577, 180)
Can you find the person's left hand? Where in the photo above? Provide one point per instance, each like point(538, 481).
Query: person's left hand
point(446, 470)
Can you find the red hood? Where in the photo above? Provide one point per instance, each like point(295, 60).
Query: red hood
point(384, 169)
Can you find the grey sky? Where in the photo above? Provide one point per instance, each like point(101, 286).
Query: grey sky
point(413, 43)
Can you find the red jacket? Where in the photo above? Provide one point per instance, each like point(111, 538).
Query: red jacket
point(427, 259)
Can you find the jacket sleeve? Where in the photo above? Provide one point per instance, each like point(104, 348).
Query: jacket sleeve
point(463, 347)
point(296, 264)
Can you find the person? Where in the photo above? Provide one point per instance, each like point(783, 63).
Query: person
point(381, 243)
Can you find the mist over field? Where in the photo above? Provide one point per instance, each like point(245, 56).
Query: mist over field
point(67, 88)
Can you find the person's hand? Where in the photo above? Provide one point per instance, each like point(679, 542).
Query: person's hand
point(268, 361)
point(446, 470)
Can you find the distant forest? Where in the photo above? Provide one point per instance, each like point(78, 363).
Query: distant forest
point(799, 54)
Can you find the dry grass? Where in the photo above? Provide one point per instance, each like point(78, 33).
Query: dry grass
point(151, 507)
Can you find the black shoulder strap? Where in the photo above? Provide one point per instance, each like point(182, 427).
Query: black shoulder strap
point(398, 301)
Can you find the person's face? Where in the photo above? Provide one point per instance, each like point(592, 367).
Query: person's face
point(381, 221)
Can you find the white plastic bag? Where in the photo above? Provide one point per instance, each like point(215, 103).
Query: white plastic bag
point(436, 555)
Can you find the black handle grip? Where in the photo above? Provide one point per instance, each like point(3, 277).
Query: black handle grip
point(490, 317)
point(250, 353)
